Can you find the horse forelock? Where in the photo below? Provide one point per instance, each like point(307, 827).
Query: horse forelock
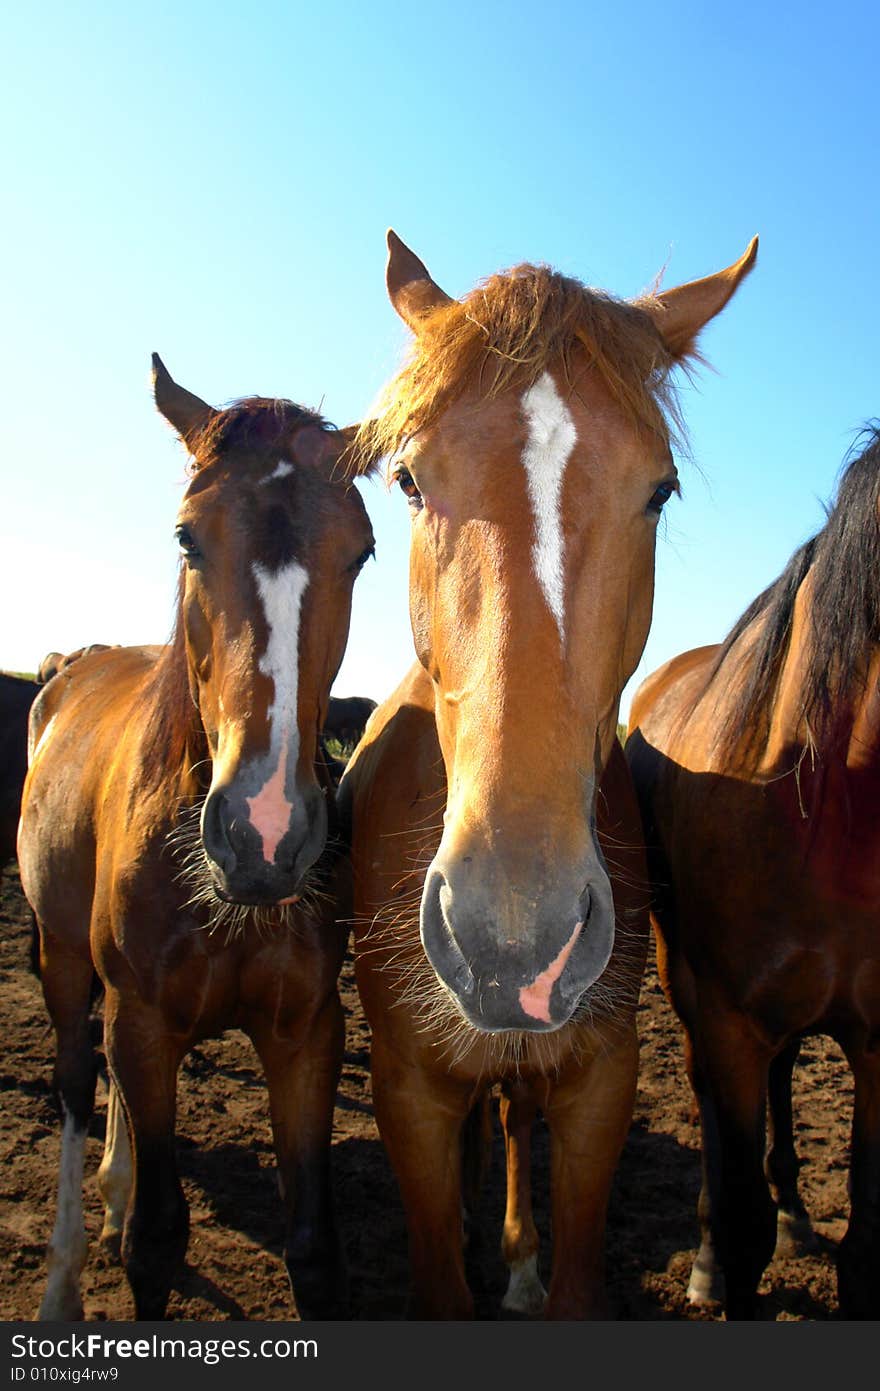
point(254, 425)
point(843, 561)
point(503, 336)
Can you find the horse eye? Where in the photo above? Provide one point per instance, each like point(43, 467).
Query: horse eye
point(362, 559)
point(186, 542)
point(408, 486)
point(661, 496)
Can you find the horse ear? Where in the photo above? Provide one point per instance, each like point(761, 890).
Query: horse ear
point(187, 413)
point(410, 288)
point(357, 456)
point(681, 313)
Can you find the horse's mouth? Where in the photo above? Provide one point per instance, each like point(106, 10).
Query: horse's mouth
point(254, 899)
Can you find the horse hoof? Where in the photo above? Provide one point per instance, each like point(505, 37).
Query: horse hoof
point(111, 1244)
point(61, 1306)
point(706, 1285)
point(525, 1295)
point(794, 1234)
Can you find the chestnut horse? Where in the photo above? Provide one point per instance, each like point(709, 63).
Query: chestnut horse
point(499, 887)
point(172, 840)
point(757, 764)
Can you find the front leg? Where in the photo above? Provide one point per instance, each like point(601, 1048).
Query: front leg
point(420, 1115)
point(519, 1242)
point(115, 1173)
point(794, 1232)
point(143, 1060)
point(302, 1077)
point(734, 1066)
point(858, 1257)
point(588, 1113)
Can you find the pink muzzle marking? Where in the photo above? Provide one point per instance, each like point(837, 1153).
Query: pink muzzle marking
point(270, 810)
point(535, 998)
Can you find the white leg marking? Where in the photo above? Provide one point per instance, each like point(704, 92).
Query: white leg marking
point(552, 437)
point(525, 1293)
point(282, 594)
point(115, 1174)
point(67, 1246)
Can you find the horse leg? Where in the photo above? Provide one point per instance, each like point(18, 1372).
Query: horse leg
point(742, 1213)
point(302, 1078)
point(115, 1173)
point(794, 1232)
point(67, 984)
point(519, 1241)
point(143, 1062)
point(588, 1114)
point(476, 1158)
point(706, 1283)
point(420, 1116)
point(858, 1257)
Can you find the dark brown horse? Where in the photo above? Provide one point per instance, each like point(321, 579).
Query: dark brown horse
point(17, 695)
point(758, 768)
point(347, 718)
point(500, 897)
point(173, 835)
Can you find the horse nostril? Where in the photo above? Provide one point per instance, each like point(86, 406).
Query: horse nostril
point(438, 937)
point(585, 904)
point(215, 832)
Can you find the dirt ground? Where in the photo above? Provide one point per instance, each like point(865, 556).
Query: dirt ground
point(234, 1268)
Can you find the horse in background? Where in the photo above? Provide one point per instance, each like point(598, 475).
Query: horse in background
point(500, 894)
point(17, 695)
point(178, 845)
point(54, 662)
point(757, 764)
point(347, 718)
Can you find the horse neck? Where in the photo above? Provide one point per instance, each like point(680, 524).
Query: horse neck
point(852, 735)
point(174, 745)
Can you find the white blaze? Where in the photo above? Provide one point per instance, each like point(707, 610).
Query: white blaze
point(281, 470)
point(551, 439)
point(281, 594)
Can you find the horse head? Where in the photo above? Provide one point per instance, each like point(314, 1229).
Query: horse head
point(530, 434)
point(272, 536)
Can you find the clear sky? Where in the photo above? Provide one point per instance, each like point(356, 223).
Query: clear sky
point(214, 182)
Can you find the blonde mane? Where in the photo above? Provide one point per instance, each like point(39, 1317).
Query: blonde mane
point(504, 334)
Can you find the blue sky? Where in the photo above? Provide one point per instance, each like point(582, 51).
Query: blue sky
point(214, 182)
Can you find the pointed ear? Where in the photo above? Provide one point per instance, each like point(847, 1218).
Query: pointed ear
point(357, 456)
point(187, 413)
point(410, 288)
point(682, 312)
point(343, 454)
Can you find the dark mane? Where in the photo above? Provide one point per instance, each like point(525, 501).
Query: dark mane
point(505, 333)
point(844, 617)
